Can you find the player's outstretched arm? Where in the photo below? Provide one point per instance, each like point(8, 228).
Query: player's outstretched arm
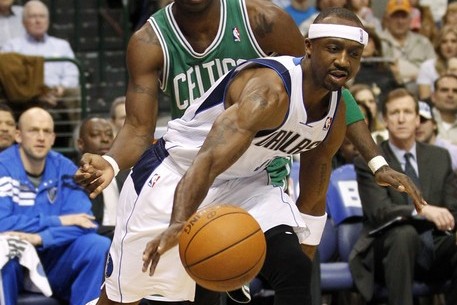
point(137, 133)
point(360, 136)
point(141, 98)
point(255, 101)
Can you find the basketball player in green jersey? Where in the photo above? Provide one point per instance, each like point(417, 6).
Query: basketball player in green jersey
point(189, 70)
point(209, 43)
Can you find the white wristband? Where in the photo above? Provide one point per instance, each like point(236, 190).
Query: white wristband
point(316, 225)
point(113, 164)
point(376, 163)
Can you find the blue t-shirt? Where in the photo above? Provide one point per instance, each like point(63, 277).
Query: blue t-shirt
point(300, 16)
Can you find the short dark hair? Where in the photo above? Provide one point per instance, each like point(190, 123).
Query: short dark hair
point(340, 12)
point(398, 93)
point(6, 108)
point(447, 75)
point(82, 125)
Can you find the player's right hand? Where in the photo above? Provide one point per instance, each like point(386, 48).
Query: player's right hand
point(159, 245)
point(94, 174)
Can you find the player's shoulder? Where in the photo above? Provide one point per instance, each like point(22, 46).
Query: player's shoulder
point(145, 41)
point(267, 9)
point(274, 29)
point(145, 36)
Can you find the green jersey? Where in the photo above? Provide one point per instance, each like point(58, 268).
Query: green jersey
point(187, 74)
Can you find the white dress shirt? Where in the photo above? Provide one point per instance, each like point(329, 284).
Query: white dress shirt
point(55, 73)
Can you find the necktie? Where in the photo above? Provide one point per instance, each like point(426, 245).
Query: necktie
point(426, 254)
point(409, 169)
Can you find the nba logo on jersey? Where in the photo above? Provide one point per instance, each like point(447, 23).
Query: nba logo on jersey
point(153, 180)
point(327, 124)
point(236, 34)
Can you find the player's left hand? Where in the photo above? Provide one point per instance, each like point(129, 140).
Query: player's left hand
point(386, 176)
point(159, 245)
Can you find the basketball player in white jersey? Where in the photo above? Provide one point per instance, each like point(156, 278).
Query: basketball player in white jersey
point(217, 152)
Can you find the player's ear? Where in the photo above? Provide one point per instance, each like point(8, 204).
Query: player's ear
point(308, 47)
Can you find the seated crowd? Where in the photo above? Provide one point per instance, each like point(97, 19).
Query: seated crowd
point(406, 87)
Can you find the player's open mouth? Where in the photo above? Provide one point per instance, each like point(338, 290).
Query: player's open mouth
point(339, 75)
point(338, 78)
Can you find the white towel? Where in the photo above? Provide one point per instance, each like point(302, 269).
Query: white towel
point(35, 279)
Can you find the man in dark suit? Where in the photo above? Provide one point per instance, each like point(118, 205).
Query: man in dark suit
point(96, 136)
point(406, 251)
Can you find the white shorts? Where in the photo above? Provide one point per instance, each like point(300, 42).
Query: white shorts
point(141, 217)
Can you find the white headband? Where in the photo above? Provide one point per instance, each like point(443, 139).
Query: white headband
point(318, 30)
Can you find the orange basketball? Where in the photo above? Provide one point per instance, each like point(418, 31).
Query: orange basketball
point(222, 247)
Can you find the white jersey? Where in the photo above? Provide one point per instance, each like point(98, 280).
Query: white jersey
point(186, 135)
point(146, 199)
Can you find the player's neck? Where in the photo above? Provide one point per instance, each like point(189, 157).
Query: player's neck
point(199, 20)
point(199, 29)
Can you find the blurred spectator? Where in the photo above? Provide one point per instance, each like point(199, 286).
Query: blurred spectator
point(348, 151)
point(363, 94)
point(7, 127)
point(96, 136)
point(10, 21)
point(422, 20)
point(346, 154)
point(437, 8)
point(409, 49)
point(320, 5)
point(450, 17)
point(57, 75)
point(431, 69)
point(367, 114)
point(452, 66)
point(406, 251)
point(428, 130)
point(61, 78)
point(375, 69)
point(444, 99)
point(41, 204)
point(300, 10)
point(362, 8)
point(117, 113)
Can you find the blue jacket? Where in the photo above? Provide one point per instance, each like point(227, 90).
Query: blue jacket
point(25, 208)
